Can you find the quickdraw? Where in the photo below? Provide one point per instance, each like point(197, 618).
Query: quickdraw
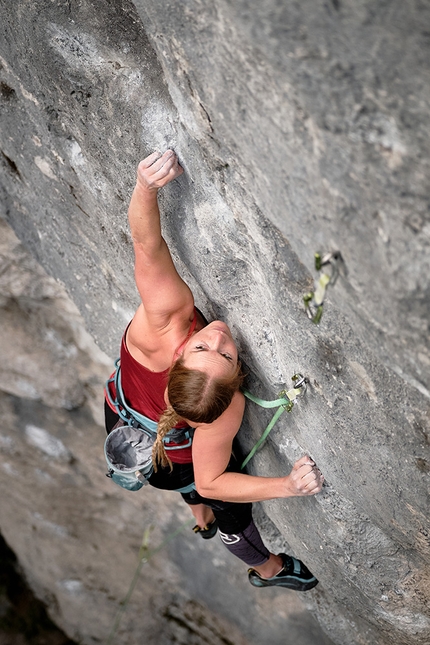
point(285, 402)
point(328, 265)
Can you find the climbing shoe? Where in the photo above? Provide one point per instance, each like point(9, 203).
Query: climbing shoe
point(208, 531)
point(293, 575)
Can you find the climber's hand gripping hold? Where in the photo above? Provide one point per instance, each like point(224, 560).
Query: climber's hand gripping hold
point(157, 170)
point(305, 478)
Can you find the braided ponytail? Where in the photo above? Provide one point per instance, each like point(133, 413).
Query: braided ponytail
point(167, 421)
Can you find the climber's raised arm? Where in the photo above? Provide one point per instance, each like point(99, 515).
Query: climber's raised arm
point(161, 289)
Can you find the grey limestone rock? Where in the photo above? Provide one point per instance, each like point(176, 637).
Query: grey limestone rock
point(78, 535)
point(302, 127)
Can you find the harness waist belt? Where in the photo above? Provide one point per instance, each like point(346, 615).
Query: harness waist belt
point(175, 438)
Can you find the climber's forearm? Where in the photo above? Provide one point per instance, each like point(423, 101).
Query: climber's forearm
point(161, 288)
point(153, 173)
point(144, 219)
point(304, 480)
point(237, 487)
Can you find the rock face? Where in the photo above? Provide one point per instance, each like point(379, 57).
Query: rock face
point(301, 128)
point(76, 533)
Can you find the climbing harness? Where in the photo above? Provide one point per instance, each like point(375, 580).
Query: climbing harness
point(137, 420)
point(285, 401)
point(128, 447)
point(328, 266)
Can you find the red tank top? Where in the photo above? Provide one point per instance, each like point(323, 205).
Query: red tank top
point(144, 390)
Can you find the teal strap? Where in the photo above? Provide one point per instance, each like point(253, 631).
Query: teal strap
point(265, 434)
point(284, 403)
point(186, 489)
point(143, 420)
point(266, 404)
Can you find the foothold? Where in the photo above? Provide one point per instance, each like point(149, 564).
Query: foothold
point(11, 165)
point(422, 465)
point(7, 93)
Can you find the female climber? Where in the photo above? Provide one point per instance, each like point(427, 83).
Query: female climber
point(180, 371)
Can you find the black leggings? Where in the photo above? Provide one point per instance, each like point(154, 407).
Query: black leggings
point(236, 526)
point(232, 517)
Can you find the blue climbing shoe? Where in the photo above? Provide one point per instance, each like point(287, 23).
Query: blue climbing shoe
point(208, 531)
point(293, 575)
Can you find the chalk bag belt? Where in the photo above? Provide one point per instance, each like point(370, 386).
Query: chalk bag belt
point(285, 402)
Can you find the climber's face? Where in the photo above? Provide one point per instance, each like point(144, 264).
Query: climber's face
point(212, 350)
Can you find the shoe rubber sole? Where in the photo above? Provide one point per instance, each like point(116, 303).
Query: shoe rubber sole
point(289, 581)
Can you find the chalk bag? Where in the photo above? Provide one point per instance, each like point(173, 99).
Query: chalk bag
point(128, 453)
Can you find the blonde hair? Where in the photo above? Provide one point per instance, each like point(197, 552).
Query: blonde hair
point(195, 396)
point(168, 420)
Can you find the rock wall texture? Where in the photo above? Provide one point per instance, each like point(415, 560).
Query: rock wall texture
point(302, 127)
point(76, 534)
